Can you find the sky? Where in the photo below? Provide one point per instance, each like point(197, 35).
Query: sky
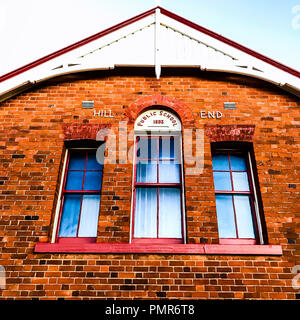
point(31, 29)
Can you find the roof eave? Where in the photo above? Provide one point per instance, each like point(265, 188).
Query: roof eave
point(139, 17)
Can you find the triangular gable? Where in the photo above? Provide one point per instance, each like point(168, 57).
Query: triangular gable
point(155, 38)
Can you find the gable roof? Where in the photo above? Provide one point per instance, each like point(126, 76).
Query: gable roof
point(156, 38)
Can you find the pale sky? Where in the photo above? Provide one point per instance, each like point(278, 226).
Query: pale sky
point(31, 29)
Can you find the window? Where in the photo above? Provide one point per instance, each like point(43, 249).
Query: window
point(80, 197)
point(236, 203)
point(158, 187)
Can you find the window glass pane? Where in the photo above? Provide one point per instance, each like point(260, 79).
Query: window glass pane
point(168, 148)
point(169, 213)
point(244, 216)
point(70, 215)
point(222, 181)
point(146, 172)
point(92, 180)
point(220, 162)
point(92, 163)
point(74, 180)
point(77, 160)
point(225, 215)
point(238, 163)
point(145, 218)
point(147, 148)
point(89, 216)
point(169, 172)
point(240, 181)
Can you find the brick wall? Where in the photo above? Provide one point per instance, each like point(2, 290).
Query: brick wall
point(33, 128)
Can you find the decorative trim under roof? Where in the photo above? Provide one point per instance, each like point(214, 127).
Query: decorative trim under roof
point(142, 41)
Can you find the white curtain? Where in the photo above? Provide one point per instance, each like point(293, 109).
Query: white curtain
point(244, 216)
point(145, 218)
point(169, 213)
point(89, 216)
point(70, 216)
point(169, 172)
point(146, 172)
point(225, 214)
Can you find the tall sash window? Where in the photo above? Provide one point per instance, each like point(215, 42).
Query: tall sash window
point(158, 182)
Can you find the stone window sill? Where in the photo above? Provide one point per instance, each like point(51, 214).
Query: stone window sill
point(203, 249)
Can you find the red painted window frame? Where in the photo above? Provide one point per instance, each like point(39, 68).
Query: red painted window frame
point(157, 185)
point(75, 240)
point(238, 240)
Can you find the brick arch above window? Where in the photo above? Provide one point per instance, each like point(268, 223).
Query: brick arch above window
point(140, 105)
point(234, 132)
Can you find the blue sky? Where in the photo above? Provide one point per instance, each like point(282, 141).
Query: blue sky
point(33, 28)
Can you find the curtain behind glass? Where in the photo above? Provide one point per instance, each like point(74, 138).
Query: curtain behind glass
point(89, 216)
point(169, 213)
point(70, 216)
point(145, 218)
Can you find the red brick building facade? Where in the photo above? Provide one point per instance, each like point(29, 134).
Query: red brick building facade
point(42, 121)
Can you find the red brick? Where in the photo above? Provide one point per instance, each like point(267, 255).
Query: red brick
point(32, 139)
